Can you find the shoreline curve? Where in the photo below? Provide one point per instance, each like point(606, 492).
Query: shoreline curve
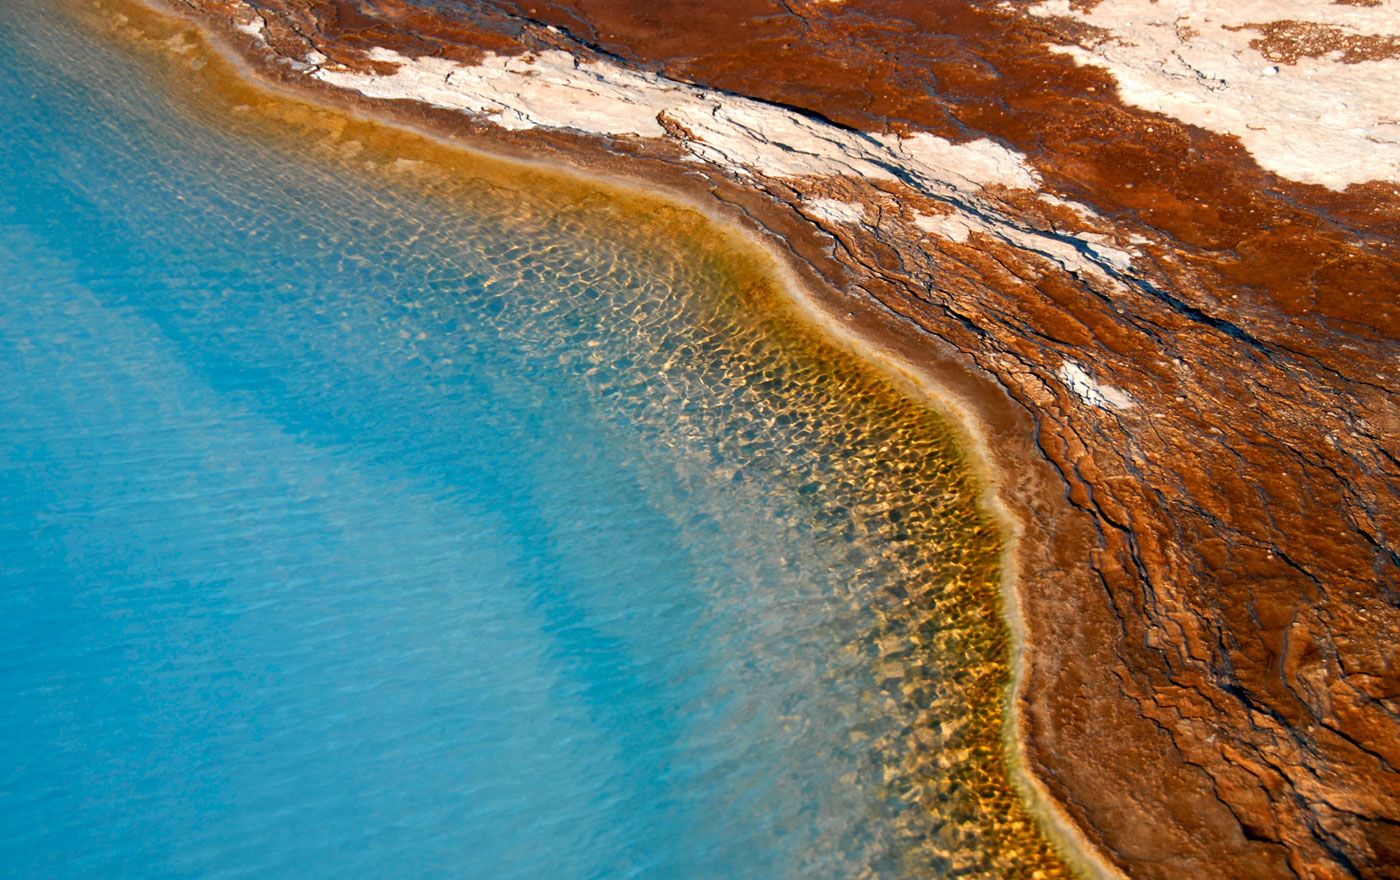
point(871, 346)
point(1078, 446)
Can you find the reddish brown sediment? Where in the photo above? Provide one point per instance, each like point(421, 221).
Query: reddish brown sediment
point(1208, 569)
point(1287, 41)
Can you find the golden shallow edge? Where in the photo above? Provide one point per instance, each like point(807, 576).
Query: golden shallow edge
point(872, 337)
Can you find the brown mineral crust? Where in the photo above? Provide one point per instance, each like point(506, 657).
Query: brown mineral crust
point(1209, 577)
point(1288, 40)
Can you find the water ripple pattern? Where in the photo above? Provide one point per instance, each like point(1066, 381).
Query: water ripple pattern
point(366, 515)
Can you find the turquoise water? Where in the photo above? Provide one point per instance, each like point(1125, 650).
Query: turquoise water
point(352, 529)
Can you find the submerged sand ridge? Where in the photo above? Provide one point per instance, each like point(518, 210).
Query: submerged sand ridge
point(1182, 352)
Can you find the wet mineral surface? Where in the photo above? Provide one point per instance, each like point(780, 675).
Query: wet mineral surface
point(1177, 342)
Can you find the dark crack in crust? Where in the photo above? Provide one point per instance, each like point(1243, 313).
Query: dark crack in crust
point(1209, 578)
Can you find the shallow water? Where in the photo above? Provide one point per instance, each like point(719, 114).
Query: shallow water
point(371, 510)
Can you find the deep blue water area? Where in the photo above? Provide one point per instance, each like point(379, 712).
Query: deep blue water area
point(349, 529)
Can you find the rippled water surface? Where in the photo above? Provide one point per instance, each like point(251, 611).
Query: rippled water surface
point(369, 510)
